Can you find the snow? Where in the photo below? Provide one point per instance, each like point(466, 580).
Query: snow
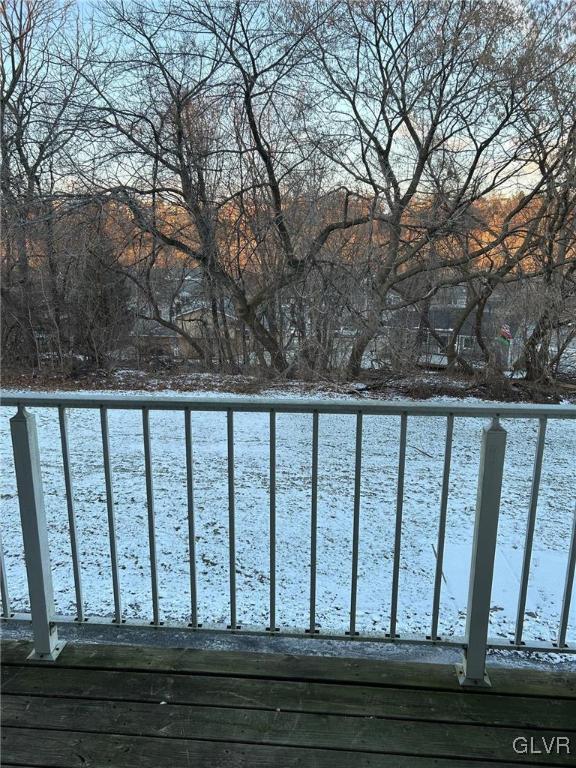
point(424, 462)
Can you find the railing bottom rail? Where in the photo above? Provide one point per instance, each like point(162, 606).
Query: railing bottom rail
point(288, 633)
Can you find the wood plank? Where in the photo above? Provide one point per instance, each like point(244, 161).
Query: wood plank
point(239, 664)
point(291, 696)
point(338, 732)
point(71, 749)
point(303, 668)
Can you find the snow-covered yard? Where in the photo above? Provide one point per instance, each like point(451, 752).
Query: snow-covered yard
point(424, 461)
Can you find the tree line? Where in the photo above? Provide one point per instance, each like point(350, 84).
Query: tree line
point(321, 172)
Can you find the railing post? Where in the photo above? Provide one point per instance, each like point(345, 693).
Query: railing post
point(6, 610)
point(473, 670)
point(35, 535)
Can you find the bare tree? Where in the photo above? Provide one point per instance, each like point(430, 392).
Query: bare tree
point(42, 106)
point(201, 114)
point(319, 173)
point(431, 112)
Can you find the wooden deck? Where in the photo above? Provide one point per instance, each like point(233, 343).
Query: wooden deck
point(143, 707)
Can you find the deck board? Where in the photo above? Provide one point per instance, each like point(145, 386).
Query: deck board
point(521, 682)
point(288, 696)
point(272, 728)
point(135, 706)
point(88, 750)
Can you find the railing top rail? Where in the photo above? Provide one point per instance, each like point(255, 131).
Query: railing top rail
point(286, 405)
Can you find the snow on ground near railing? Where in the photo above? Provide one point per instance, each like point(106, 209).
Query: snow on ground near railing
point(424, 464)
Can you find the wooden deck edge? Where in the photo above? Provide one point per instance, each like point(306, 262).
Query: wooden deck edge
point(393, 673)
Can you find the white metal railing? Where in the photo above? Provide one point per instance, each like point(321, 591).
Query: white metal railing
point(493, 446)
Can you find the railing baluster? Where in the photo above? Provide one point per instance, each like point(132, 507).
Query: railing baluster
point(63, 419)
point(442, 526)
point(151, 523)
point(111, 515)
point(398, 529)
point(537, 472)
point(568, 586)
point(272, 626)
point(191, 522)
point(356, 524)
point(313, 525)
point(231, 521)
point(6, 610)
